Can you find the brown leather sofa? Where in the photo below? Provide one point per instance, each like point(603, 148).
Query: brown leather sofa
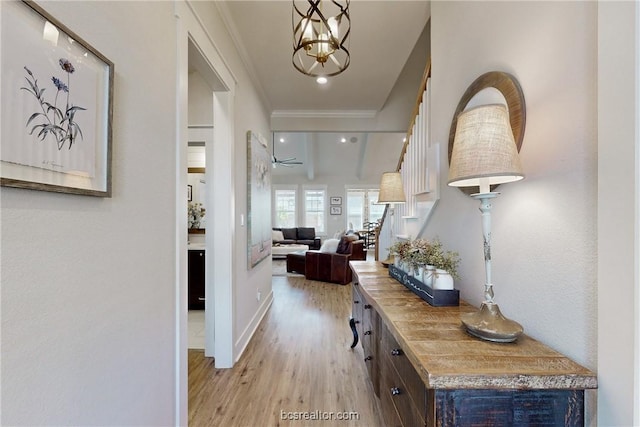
point(333, 267)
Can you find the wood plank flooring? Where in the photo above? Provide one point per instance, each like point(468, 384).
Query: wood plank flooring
point(297, 365)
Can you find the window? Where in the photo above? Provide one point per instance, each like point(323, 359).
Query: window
point(284, 202)
point(315, 208)
point(362, 208)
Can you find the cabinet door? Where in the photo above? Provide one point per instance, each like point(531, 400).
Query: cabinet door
point(370, 344)
point(510, 407)
point(357, 304)
point(366, 321)
point(196, 280)
point(401, 386)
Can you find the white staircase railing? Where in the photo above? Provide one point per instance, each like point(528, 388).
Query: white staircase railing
point(419, 167)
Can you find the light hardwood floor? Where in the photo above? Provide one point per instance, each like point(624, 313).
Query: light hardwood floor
point(299, 363)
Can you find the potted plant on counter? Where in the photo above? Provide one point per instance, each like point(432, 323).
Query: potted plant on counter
point(400, 251)
point(446, 267)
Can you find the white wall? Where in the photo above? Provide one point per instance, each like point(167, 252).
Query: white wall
point(618, 222)
point(87, 284)
point(544, 228)
point(200, 101)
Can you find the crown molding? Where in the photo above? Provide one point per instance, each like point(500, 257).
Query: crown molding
point(324, 114)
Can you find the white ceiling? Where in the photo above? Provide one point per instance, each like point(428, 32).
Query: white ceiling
point(360, 157)
point(383, 36)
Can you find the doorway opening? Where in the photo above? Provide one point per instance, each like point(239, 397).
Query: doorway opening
point(196, 52)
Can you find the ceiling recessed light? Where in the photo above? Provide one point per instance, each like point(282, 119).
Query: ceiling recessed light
point(343, 139)
point(321, 80)
point(281, 139)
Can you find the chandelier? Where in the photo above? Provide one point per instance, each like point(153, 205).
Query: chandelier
point(321, 36)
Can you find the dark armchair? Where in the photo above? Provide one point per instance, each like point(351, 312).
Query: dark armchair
point(333, 267)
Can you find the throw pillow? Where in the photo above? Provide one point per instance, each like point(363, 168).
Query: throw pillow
point(306, 233)
point(353, 237)
point(276, 235)
point(343, 246)
point(290, 234)
point(330, 246)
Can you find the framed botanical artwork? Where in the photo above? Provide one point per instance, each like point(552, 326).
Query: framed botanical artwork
point(335, 210)
point(57, 103)
point(258, 199)
point(335, 201)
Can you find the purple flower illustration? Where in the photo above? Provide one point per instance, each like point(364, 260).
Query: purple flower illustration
point(59, 84)
point(66, 65)
point(61, 124)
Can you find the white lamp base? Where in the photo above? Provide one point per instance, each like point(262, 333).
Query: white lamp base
point(489, 324)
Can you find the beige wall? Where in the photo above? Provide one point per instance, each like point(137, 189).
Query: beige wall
point(544, 228)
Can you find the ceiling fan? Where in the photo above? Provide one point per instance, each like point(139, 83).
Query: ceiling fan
point(288, 162)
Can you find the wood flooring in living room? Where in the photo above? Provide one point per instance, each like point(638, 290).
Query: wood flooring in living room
point(298, 364)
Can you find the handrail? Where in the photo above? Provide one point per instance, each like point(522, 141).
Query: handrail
point(416, 109)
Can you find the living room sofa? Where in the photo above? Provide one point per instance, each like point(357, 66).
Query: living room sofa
point(296, 236)
point(333, 266)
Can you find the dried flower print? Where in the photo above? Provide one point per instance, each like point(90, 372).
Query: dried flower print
point(52, 120)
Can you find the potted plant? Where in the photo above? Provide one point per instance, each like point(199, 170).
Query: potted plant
point(196, 213)
point(400, 251)
point(418, 257)
point(446, 267)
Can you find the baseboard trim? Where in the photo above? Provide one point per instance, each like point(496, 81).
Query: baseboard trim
point(251, 328)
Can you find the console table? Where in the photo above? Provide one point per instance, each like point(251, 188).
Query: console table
point(427, 371)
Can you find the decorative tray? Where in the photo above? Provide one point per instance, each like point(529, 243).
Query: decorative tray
point(435, 297)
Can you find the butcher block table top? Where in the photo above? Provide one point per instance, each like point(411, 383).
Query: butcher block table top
point(446, 357)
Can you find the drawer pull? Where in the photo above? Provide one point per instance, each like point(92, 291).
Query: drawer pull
point(201, 299)
point(367, 332)
point(356, 321)
point(395, 391)
point(366, 359)
point(367, 306)
point(356, 302)
point(396, 352)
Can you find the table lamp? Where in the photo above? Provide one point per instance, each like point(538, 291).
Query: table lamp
point(484, 154)
point(392, 193)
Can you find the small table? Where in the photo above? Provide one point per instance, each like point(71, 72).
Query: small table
point(282, 250)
